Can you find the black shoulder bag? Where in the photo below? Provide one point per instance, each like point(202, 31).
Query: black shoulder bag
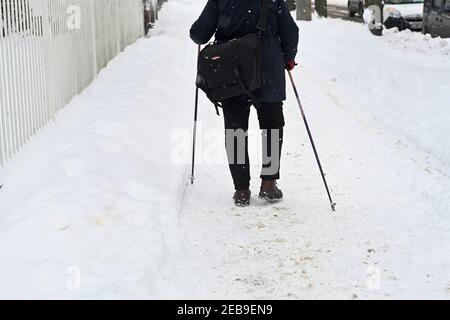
point(234, 68)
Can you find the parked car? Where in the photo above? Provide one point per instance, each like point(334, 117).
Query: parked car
point(356, 7)
point(403, 14)
point(437, 18)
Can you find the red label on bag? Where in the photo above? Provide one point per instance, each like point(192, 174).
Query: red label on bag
point(215, 58)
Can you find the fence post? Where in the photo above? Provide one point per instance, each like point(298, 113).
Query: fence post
point(94, 39)
point(118, 33)
point(49, 59)
point(304, 10)
point(290, 4)
point(2, 90)
point(321, 8)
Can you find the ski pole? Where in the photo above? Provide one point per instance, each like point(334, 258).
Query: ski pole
point(333, 204)
point(194, 143)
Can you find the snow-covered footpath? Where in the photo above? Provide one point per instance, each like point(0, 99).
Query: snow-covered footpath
point(95, 206)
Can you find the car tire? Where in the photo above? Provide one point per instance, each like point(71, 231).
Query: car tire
point(361, 9)
point(377, 32)
point(351, 13)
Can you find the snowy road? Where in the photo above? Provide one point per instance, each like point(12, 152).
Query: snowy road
point(339, 10)
point(95, 195)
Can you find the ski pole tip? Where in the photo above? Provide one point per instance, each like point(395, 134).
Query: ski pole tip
point(333, 206)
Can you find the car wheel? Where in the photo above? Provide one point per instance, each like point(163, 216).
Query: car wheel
point(377, 32)
point(351, 13)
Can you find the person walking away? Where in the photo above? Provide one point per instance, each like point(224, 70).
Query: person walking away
point(231, 19)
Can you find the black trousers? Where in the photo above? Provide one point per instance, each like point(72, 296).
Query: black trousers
point(271, 120)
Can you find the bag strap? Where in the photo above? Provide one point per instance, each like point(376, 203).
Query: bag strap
point(237, 75)
point(265, 9)
point(217, 105)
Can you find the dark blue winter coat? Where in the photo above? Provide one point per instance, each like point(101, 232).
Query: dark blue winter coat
point(229, 19)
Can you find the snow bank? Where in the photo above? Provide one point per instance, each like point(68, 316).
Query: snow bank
point(415, 42)
point(93, 198)
point(89, 207)
point(402, 79)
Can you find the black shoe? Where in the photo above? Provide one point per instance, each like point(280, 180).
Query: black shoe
point(270, 191)
point(242, 198)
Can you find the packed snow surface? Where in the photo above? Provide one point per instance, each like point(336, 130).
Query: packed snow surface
point(97, 205)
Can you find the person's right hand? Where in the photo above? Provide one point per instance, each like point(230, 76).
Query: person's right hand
point(290, 65)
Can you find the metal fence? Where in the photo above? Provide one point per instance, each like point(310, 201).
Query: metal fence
point(50, 50)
